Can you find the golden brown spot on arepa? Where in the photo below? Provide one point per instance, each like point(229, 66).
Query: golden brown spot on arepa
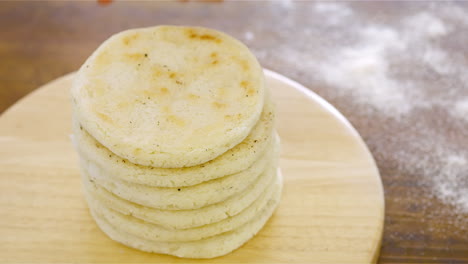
point(134, 56)
point(248, 88)
point(210, 38)
point(218, 105)
point(128, 39)
point(164, 91)
point(176, 120)
point(244, 84)
point(245, 65)
point(157, 72)
point(155, 92)
point(207, 37)
point(105, 117)
point(193, 97)
point(233, 117)
point(192, 34)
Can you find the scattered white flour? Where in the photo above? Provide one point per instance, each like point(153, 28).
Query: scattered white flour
point(398, 82)
point(339, 10)
point(451, 13)
point(438, 60)
point(363, 71)
point(249, 36)
point(287, 4)
point(425, 25)
point(460, 110)
point(452, 181)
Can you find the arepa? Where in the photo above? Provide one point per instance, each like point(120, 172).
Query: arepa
point(181, 219)
point(183, 198)
point(175, 133)
point(169, 96)
point(143, 229)
point(211, 247)
point(237, 159)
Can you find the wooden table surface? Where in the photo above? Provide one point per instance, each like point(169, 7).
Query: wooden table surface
point(40, 41)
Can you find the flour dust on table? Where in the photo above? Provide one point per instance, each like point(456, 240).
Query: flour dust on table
point(395, 70)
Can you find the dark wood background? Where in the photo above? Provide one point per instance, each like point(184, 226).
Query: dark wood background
point(40, 41)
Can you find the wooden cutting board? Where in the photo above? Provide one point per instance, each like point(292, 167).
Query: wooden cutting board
point(332, 209)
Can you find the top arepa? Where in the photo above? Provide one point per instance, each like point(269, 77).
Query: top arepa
point(169, 96)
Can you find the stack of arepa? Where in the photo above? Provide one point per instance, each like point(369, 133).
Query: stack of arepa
point(175, 132)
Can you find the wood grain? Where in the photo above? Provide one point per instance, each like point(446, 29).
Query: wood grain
point(332, 209)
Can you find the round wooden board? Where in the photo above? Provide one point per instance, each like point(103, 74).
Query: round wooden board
point(332, 209)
